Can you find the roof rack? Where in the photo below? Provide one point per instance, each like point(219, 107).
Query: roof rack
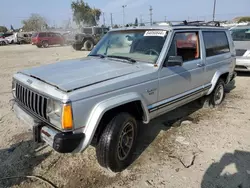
point(202, 23)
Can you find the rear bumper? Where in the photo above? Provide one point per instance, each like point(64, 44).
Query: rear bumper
point(62, 142)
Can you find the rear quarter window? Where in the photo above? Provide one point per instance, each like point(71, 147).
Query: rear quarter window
point(216, 43)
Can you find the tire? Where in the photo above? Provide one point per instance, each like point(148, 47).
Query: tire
point(109, 151)
point(39, 46)
point(88, 45)
point(77, 47)
point(45, 44)
point(218, 94)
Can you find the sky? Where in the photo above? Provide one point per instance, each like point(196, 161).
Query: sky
point(58, 12)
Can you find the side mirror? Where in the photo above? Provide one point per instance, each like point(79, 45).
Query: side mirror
point(174, 61)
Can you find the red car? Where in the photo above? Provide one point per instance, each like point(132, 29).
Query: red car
point(45, 39)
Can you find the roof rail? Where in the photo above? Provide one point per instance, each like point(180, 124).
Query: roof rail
point(202, 23)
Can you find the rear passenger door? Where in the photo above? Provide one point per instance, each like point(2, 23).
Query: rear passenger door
point(217, 55)
point(181, 84)
point(52, 38)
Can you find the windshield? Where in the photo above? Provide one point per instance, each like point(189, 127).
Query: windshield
point(34, 35)
point(140, 45)
point(240, 34)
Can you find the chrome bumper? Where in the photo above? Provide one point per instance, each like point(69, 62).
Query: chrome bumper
point(62, 142)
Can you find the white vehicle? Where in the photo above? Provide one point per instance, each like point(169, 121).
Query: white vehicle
point(3, 42)
point(241, 38)
point(12, 39)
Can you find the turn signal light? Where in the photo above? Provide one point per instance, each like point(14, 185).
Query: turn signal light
point(67, 118)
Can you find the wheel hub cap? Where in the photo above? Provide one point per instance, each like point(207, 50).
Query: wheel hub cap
point(126, 140)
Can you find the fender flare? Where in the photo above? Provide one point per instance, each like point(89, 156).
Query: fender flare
point(215, 79)
point(99, 110)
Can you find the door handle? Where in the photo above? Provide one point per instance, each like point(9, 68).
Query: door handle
point(200, 64)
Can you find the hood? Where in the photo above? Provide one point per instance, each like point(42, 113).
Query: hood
point(74, 74)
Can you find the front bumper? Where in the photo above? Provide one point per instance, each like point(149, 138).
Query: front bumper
point(62, 142)
point(242, 64)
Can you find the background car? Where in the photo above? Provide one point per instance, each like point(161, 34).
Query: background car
point(24, 38)
point(45, 39)
point(3, 42)
point(241, 38)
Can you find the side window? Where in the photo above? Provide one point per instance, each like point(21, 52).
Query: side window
point(42, 34)
point(186, 45)
point(216, 43)
point(52, 35)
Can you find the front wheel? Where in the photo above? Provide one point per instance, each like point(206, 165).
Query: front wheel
point(117, 143)
point(218, 93)
point(77, 47)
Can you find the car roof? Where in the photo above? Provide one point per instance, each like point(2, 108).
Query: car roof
point(169, 28)
point(240, 27)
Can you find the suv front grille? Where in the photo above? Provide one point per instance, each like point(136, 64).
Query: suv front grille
point(32, 100)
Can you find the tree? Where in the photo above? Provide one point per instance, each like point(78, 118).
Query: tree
point(136, 22)
point(35, 23)
point(116, 26)
point(3, 29)
point(244, 19)
point(84, 14)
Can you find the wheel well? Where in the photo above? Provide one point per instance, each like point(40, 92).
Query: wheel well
point(133, 108)
point(224, 77)
point(90, 39)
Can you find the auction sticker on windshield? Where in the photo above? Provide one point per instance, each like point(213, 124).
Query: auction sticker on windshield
point(156, 33)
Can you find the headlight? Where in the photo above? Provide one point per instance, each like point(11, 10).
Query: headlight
point(14, 88)
point(54, 112)
point(60, 114)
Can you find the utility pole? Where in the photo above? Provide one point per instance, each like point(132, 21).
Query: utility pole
point(140, 19)
point(165, 18)
point(214, 10)
point(103, 18)
point(123, 7)
point(151, 15)
point(111, 19)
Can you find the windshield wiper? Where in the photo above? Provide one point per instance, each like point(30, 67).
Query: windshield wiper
point(122, 57)
point(98, 55)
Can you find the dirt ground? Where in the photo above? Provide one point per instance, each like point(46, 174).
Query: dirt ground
point(191, 147)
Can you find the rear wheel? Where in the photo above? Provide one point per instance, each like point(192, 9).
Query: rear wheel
point(45, 44)
point(218, 93)
point(88, 45)
point(117, 143)
point(39, 45)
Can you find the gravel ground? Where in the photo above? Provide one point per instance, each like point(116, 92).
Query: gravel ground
point(191, 147)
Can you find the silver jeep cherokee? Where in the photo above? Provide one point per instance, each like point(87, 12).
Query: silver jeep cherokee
point(132, 75)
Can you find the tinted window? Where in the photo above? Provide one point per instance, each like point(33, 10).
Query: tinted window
point(42, 34)
point(186, 45)
point(240, 34)
point(216, 43)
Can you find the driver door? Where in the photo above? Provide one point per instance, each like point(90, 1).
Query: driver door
point(181, 84)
